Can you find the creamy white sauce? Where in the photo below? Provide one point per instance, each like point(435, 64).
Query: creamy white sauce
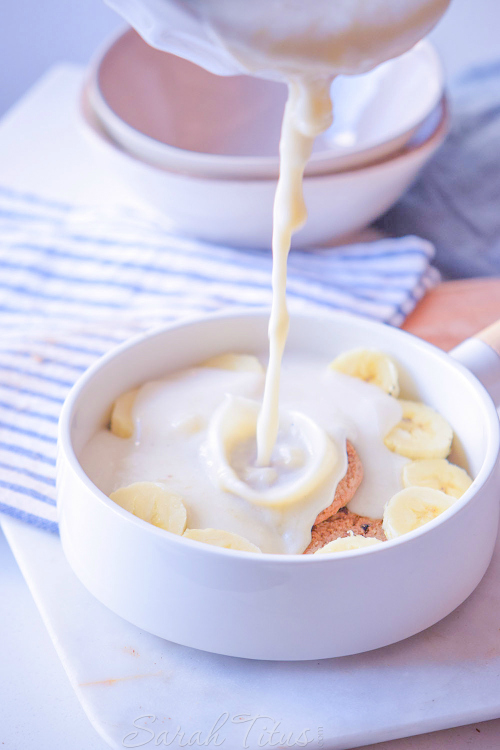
point(173, 420)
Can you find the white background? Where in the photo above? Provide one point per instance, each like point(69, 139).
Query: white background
point(34, 34)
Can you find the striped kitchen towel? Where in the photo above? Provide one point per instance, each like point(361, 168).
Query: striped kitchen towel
point(74, 282)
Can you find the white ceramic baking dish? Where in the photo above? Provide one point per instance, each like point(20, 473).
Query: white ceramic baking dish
point(278, 606)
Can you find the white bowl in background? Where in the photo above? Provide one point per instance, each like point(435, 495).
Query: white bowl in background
point(282, 606)
point(173, 114)
point(238, 212)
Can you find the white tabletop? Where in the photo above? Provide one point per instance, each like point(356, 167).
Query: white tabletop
point(38, 708)
point(37, 705)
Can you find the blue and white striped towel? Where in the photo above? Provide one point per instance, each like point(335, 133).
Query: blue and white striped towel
point(75, 282)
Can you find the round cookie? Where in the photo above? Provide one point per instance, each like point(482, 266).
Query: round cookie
point(340, 524)
point(347, 485)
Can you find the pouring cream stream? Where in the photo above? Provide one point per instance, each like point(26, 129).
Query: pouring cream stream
point(308, 113)
point(332, 37)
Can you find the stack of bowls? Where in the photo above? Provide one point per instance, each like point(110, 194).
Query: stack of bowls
point(203, 149)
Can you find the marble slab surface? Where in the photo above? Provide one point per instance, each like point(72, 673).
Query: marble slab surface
point(136, 688)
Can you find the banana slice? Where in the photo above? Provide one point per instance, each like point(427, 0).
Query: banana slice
point(122, 423)
point(422, 433)
point(413, 507)
point(236, 362)
point(439, 474)
point(346, 543)
point(371, 366)
point(220, 538)
point(154, 503)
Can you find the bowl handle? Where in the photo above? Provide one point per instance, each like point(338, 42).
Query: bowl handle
point(481, 355)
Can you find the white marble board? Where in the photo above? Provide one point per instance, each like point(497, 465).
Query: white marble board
point(447, 676)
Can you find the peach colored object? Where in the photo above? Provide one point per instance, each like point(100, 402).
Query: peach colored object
point(456, 310)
